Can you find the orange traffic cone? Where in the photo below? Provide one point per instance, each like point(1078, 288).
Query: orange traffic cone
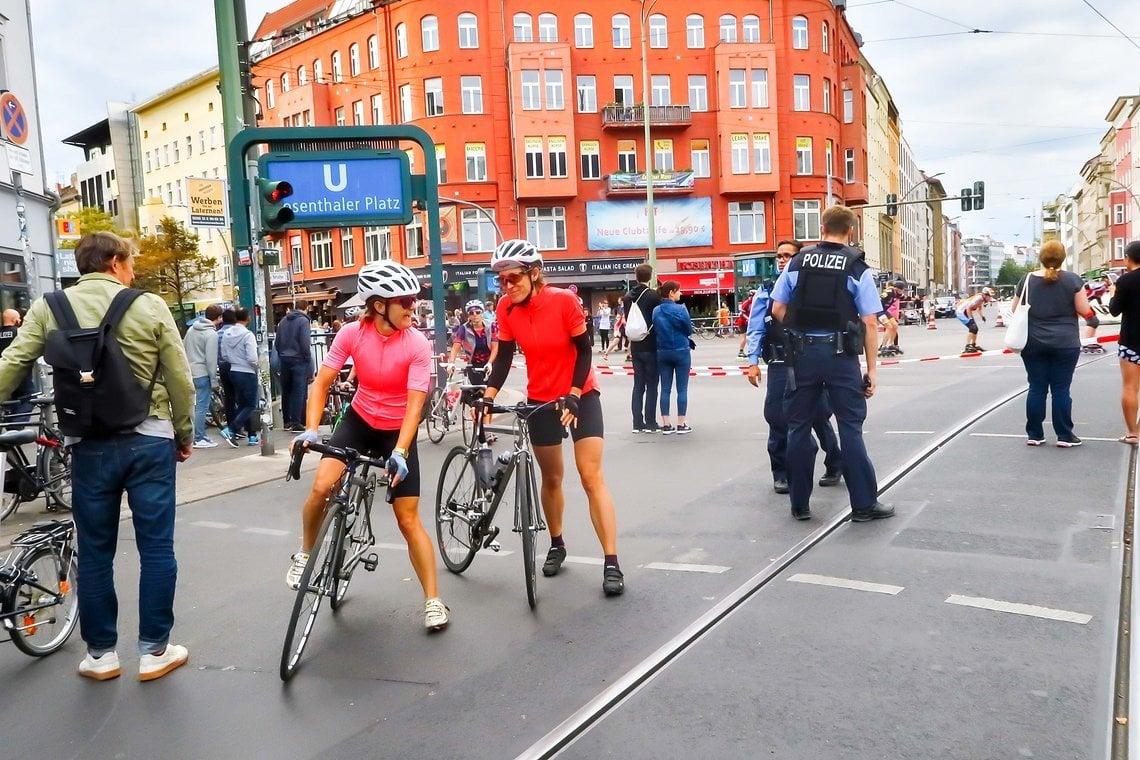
point(930, 322)
point(1000, 322)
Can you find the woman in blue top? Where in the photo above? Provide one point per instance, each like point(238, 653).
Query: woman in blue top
point(673, 353)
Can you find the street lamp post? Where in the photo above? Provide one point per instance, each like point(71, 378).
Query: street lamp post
point(651, 216)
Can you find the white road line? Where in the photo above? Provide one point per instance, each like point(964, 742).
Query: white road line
point(997, 435)
point(687, 568)
point(266, 531)
point(1032, 610)
point(827, 580)
point(208, 524)
point(909, 432)
point(584, 560)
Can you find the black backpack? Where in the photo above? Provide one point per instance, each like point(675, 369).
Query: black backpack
point(96, 391)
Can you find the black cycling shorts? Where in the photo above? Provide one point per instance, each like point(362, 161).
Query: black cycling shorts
point(546, 428)
point(354, 433)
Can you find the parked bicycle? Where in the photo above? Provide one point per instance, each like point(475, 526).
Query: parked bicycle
point(344, 541)
point(49, 474)
point(472, 484)
point(38, 603)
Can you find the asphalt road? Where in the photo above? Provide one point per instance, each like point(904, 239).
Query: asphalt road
point(809, 667)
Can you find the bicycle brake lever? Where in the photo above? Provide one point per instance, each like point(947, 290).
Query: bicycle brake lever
point(294, 472)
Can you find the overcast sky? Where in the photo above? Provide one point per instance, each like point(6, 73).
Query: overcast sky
point(1022, 107)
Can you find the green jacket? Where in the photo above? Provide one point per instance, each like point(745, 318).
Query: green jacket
point(147, 335)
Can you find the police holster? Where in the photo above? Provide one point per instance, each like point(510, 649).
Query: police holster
point(854, 339)
point(794, 345)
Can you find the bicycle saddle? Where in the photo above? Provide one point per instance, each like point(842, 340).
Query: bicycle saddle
point(17, 438)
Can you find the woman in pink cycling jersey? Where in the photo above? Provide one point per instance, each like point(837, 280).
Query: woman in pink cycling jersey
point(393, 368)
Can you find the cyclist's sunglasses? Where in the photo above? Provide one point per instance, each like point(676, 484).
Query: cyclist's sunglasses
point(408, 302)
point(512, 278)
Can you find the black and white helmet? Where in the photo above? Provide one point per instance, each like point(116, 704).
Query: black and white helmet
point(386, 279)
point(515, 253)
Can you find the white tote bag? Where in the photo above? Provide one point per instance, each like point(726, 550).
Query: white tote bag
point(1017, 331)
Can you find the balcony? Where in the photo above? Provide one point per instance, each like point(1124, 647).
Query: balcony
point(620, 117)
point(664, 183)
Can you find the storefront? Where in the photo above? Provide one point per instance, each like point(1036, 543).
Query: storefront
point(705, 283)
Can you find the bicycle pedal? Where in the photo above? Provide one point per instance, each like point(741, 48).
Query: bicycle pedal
point(370, 561)
point(493, 546)
point(489, 541)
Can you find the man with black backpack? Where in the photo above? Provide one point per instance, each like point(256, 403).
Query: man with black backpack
point(643, 349)
point(124, 398)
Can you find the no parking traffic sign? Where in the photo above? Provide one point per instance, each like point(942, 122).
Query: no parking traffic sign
point(13, 118)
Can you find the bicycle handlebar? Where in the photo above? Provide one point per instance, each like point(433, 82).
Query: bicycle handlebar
point(346, 455)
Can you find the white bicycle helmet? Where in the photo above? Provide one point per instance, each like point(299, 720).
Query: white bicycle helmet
point(514, 253)
point(988, 292)
point(386, 279)
point(475, 305)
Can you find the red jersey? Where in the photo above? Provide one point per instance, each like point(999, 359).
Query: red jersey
point(543, 329)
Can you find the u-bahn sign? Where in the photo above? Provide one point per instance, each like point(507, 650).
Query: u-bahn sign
point(343, 188)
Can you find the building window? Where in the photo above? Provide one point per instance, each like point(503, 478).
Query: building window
point(739, 144)
point(227, 271)
point(826, 95)
point(405, 103)
point(339, 114)
point(546, 228)
point(147, 155)
point(805, 220)
point(429, 33)
point(373, 52)
point(1118, 213)
point(698, 92)
point(849, 165)
point(1118, 248)
point(433, 96)
point(295, 255)
point(414, 236)
point(759, 88)
point(532, 146)
point(377, 109)
point(556, 154)
point(285, 83)
point(318, 71)
point(337, 72)
point(471, 88)
point(658, 31)
point(801, 92)
point(357, 112)
point(479, 235)
point(829, 157)
point(591, 153)
point(699, 153)
point(848, 106)
point(401, 40)
point(302, 76)
point(320, 250)
point(695, 32)
point(531, 90)
point(751, 26)
point(178, 188)
point(270, 99)
point(354, 59)
point(347, 255)
point(622, 37)
point(803, 155)
point(213, 137)
point(202, 141)
point(627, 156)
point(468, 31)
point(587, 94)
point(476, 155)
point(441, 164)
point(623, 90)
point(728, 28)
point(660, 93)
point(377, 244)
point(800, 33)
point(737, 89)
point(663, 155)
point(547, 27)
point(524, 29)
point(746, 222)
point(555, 98)
point(825, 38)
point(584, 30)
point(176, 153)
point(762, 153)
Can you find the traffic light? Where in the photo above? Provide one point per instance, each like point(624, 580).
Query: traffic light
point(271, 196)
point(892, 204)
point(967, 199)
point(979, 195)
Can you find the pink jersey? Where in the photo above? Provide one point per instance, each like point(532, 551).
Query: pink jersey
point(387, 367)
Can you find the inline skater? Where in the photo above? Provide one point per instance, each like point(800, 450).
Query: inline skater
point(967, 309)
point(889, 319)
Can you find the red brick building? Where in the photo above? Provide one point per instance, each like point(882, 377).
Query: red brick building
point(756, 113)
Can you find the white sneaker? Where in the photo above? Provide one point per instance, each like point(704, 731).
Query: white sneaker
point(435, 615)
point(101, 669)
point(293, 577)
point(152, 666)
point(205, 443)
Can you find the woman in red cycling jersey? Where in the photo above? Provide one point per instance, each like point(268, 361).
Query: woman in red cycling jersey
point(547, 324)
point(393, 369)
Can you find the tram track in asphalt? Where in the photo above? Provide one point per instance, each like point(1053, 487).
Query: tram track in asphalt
point(625, 686)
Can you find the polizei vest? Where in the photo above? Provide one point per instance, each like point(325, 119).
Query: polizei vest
point(821, 302)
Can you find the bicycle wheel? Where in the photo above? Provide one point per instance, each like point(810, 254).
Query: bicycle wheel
point(706, 332)
point(54, 463)
point(316, 583)
point(437, 415)
point(9, 501)
point(216, 412)
point(41, 632)
point(528, 523)
point(356, 535)
point(467, 425)
point(458, 508)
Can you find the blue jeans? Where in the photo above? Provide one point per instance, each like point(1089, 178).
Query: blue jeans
point(645, 382)
point(202, 392)
point(675, 363)
point(1050, 371)
point(102, 469)
point(294, 390)
point(245, 391)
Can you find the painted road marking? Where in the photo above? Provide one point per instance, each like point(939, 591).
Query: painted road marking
point(827, 580)
point(997, 435)
point(208, 524)
point(687, 568)
point(266, 531)
point(1032, 610)
point(584, 560)
point(909, 432)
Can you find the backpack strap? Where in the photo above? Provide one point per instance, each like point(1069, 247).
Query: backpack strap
point(61, 310)
point(115, 312)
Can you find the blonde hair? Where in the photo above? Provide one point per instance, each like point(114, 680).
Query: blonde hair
point(1051, 256)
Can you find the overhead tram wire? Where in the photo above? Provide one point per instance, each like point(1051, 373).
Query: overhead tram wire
point(1114, 26)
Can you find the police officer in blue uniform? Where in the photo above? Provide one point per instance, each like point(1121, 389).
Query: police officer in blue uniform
point(827, 302)
point(765, 339)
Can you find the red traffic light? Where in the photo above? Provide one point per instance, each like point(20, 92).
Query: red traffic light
point(280, 191)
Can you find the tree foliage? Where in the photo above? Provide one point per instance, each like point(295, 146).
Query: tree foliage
point(94, 220)
point(170, 265)
point(1011, 272)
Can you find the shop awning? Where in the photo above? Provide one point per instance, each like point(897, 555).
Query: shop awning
point(310, 297)
point(701, 283)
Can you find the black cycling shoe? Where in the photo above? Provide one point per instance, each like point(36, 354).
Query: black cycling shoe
point(554, 559)
point(613, 582)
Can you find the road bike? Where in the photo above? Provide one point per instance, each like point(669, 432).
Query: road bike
point(344, 541)
point(472, 484)
point(38, 603)
point(450, 405)
point(49, 473)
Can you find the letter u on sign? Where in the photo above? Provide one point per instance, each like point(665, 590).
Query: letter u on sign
point(341, 183)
